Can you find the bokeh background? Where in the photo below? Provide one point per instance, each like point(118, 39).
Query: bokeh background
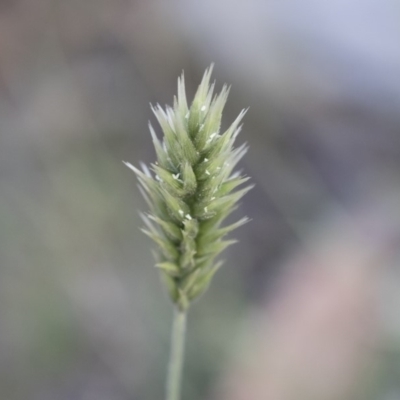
point(307, 305)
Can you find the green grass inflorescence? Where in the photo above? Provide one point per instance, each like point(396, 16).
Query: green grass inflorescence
point(190, 189)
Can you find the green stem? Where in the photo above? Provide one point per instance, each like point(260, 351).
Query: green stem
point(174, 378)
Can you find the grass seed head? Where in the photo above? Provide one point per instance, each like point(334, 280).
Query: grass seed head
point(191, 189)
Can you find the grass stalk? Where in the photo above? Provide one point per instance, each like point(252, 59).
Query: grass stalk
point(175, 367)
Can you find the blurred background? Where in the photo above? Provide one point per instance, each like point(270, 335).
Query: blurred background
point(307, 306)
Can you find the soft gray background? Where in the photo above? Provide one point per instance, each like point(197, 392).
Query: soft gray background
point(82, 313)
